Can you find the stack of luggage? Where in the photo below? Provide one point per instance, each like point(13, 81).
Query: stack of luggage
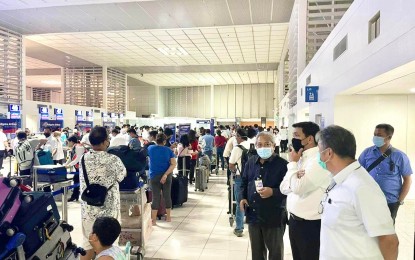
point(30, 225)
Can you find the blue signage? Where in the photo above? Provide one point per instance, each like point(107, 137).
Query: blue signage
point(173, 128)
point(85, 125)
point(58, 113)
point(184, 129)
point(212, 126)
point(14, 111)
point(311, 94)
point(205, 122)
point(10, 125)
point(109, 125)
point(79, 114)
point(44, 113)
point(103, 114)
point(53, 124)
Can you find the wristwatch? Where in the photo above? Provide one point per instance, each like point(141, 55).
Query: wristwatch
point(400, 202)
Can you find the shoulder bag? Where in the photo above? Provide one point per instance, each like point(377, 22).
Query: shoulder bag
point(94, 194)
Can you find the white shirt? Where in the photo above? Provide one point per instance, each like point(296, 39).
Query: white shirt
point(119, 139)
point(145, 135)
point(225, 134)
point(85, 139)
point(284, 134)
point(230, 144)
point(277, 139)
point(56, 144)
point(304, 194)
point(355, 214)
point(3, 138)
point(236, 156)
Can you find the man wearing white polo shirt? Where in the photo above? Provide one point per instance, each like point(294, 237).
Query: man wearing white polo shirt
point(356, 222)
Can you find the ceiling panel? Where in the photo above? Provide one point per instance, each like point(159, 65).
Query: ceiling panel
point(231, 45)
point(60, 16)
point(203, 79)
point(32, 63)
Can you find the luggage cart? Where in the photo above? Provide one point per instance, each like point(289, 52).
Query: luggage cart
point(135, 198)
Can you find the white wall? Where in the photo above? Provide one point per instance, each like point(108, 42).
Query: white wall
point(142, 99)
point(361, 113)
point(31, 113)
point(361, 61)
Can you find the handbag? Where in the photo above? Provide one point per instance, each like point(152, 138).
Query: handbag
point(94, 194)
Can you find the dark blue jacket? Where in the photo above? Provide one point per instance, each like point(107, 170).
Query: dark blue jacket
point(270, 212)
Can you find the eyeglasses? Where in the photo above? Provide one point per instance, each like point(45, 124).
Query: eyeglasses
point(325, 197)
point(260, 145)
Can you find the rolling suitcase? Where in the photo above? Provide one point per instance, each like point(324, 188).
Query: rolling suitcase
point(10, 202)
point(51, 173)
point(58, 246)
point(179, 190)
point(37, 220)
point(201, 178)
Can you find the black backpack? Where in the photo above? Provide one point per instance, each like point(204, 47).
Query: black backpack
point(133, 160)
point(246, 154)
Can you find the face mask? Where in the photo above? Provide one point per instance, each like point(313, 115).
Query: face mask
point(296, 144)
point(264, 152)
point(378, 141)
point(320, 162)
point(47, 134)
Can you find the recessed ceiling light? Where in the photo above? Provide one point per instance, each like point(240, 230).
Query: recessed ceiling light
point(412, 90)
point(51, 82)
point(173, 51)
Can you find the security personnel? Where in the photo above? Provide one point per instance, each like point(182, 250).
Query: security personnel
point(388, 166)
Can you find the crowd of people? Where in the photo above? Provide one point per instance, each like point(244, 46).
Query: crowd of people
point(337, 207)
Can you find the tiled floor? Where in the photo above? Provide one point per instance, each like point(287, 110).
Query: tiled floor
point(200, 229)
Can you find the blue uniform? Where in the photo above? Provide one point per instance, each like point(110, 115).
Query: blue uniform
point(388, 174)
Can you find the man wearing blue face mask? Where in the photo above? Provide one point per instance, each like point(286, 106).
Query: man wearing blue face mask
point(304, 184)
point(389, 167)
point(262, 200)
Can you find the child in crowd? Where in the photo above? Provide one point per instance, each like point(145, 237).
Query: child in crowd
point(105, 232)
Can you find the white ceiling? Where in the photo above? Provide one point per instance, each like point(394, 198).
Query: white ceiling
point(59, 16)
point(36, 81)
point(205, 46)
point(32, 63)
point(25, 4)
point(397, 81)
point(203, 79)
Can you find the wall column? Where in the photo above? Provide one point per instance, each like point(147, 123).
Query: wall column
point(212, 101)
point(104, 87)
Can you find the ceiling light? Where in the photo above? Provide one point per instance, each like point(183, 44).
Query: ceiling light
point(51, 82)
point(412, 90)
point(173, 51)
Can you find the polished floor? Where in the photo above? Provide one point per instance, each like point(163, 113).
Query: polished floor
point(200, 229)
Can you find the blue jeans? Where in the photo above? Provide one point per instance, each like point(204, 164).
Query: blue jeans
point(219, 152)
point(209, 154)
point(238, 214)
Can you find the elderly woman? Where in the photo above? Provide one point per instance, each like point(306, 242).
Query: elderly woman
point(104, 169)
point(162, 164)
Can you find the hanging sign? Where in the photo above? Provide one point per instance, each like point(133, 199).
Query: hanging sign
point(44, 113)
point(79, 114)
point(311, 94)
point(58, 113)
point(14, 111)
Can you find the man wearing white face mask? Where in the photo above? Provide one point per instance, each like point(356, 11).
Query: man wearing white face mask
point(262, 200)
point(355, 221)
point(304, 184)
point(388, 166)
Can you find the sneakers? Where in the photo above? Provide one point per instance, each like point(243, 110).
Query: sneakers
point(238, 232)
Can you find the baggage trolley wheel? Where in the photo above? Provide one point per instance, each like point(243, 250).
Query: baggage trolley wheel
point(138, 252)
point(203, 190)
point(231, 220)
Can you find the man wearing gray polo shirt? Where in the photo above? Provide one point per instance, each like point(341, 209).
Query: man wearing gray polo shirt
point(355, 221)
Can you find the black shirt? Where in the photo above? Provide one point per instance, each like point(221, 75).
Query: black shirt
point(271, 211)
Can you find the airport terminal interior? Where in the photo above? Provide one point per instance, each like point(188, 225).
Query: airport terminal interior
point(138, 68)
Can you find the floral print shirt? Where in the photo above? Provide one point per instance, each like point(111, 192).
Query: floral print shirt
point(104, 169)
